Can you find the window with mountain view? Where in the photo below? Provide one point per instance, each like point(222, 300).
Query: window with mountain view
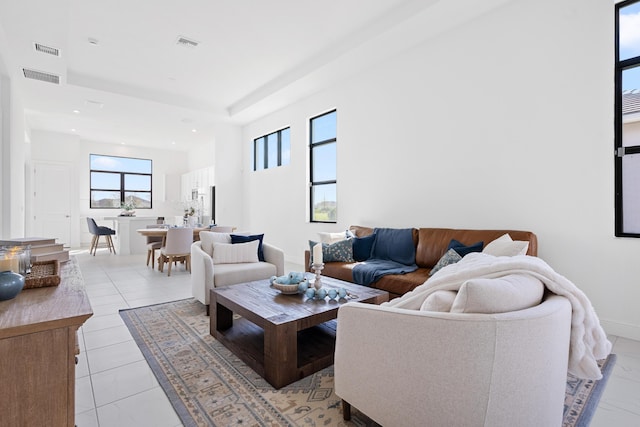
point(323, 148)
point(627, 119)
point(120, 181)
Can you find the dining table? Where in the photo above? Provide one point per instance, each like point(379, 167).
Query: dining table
point(162, 232)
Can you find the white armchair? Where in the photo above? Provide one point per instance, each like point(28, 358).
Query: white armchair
point(205, 275)
point(404, 367)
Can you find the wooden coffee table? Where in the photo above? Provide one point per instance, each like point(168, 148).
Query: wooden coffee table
point(282, 337)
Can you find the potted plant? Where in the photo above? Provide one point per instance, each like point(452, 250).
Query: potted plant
point(128, 207)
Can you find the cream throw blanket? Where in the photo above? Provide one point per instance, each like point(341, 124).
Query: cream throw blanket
point(589, 342)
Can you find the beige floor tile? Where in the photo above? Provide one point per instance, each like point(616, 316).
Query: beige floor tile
point(108, 309)
point(84, 395)
point(96, 323)
point(148, 409)
point(87, 419)
point(121, 382)
point(113, 356)
point(106, 337)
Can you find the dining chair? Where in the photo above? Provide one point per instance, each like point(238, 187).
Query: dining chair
point(98, 231)
point(177, 248)
point(153, 243)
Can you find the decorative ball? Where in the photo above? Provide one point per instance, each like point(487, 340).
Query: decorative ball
point(10, 285)
point(342, 293)
point(321, 293)
point(303, 286)
point(310, 293)
point(332, 293)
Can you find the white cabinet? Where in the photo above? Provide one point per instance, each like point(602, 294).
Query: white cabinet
point(197, 184)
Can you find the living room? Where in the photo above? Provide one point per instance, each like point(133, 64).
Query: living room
point(499, 116)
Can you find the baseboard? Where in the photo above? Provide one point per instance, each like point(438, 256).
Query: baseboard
point(621, 329)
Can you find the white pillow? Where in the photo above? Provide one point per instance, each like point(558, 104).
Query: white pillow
point(332, 237)
point(439, 301)
point(500, 295)
point(228, 253)
point(207, 238)
point(505, 246)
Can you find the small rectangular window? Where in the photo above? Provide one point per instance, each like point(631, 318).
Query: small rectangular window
point(115, 181)
point(323, 143)
point(272, 150)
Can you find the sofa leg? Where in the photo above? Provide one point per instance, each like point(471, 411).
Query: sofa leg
point(346, 410)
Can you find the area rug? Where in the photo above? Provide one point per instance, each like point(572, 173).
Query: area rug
point(209, 386)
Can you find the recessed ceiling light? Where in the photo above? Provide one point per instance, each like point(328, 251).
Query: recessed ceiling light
point(194, 130)
point(173, 143)
point(76, 111)
point(122, 143)
point(73, 130)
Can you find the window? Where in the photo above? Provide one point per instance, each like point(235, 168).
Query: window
point(627, 119)
point(323, 149)
point(273, 150)
point(118, 180)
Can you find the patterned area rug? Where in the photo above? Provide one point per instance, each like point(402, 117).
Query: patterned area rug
point(209, 386)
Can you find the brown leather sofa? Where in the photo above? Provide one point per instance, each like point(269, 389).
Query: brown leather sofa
point(431, 244)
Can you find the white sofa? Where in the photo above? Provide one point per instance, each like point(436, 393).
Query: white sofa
point(205, 275)
point(404, 367)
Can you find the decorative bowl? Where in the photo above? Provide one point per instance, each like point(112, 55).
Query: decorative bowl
point(287, 289)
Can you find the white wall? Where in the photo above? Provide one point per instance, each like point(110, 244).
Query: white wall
point(504, 122)
point(14, 153)
point(64, 148)
point(229, 174)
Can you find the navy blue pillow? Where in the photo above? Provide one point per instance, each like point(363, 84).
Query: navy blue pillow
point(362, 247)
point(462, 249)
point(239, 238)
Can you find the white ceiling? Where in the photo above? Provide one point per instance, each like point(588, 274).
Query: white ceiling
point(138, 86)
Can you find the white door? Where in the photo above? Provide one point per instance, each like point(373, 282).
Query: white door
point(52, 201)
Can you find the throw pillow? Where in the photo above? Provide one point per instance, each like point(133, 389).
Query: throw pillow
point(362, 247)
point(463, 249)
point(207, 238)
point(439, 301)
point(239, 238)
point(506, 246)
point(450, 257)
point(332, 237)
point(341, 251)
point(229, 253)
point(499, 295)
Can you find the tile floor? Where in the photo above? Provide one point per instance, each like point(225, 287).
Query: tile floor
point(115, 386)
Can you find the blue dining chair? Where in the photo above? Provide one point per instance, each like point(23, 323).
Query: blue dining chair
point(98, 231)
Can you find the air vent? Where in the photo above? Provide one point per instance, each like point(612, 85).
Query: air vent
point(186, 42)
point(47, 49)
point(42, 76)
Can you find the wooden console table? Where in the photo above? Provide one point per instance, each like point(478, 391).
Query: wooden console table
point(38, 347)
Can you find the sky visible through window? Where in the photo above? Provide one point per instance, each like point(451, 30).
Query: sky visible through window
point(115, 164)
point(630, 43)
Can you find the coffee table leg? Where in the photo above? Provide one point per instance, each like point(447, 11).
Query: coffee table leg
point(221, 318)
point(281, 354)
